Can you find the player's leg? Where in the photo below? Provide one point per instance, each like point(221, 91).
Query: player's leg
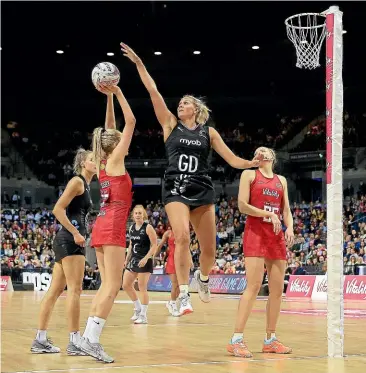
point(129, 279)
point(174, 293)
point(203, 222)
point(254, 275)
point(42, 344)
point(276, 274)
point(114, 257)
point(100, 260)
point(178, 214)
point(143, 279)
point(74, 267)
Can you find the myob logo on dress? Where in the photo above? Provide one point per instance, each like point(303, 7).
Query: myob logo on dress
point(190, 142)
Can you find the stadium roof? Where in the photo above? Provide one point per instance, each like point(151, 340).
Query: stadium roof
point(35, 76)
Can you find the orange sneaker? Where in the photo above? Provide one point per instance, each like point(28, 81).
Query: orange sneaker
point(239, 349)
point(276, 347)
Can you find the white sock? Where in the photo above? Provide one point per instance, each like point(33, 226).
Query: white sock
point(203, 278)
point(41, 335)
point(75, 337)
point(273, 336)
point(184, 289)
point(237, 337)
point(96, 329)
point(137, 305)
point(87, 328)
point(144, 309)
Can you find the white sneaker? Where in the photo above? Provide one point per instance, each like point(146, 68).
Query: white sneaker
point(172, 309)
point(142, 319)
point(135, 315)
point(185, 304)
point(203, 289)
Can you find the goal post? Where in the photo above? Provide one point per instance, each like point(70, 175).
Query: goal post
point(334, 179)
point(307, 35)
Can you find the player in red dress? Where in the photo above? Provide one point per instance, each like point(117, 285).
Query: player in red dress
point(263, 197)
point(168, 236)
point(110, 147)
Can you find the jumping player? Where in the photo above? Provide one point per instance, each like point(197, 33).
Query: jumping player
point(189, 195)
point(69, 246)
point(139, 262)
point(109, 232)
point(263, 196)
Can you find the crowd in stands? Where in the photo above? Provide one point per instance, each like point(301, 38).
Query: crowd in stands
point(51, 158)
point(353, 133)
point(27, 237)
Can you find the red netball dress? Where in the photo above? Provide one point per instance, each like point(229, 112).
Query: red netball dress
point(259, 239)
point(170, 266)
point(116, 194)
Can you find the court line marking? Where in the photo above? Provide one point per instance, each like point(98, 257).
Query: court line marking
point(190, 363)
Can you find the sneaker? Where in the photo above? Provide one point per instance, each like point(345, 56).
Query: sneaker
point(239, 349)
point(94, 350)
point(73, 350)
point(185, 304)
point(276, 347)
point(44, 347)
point(142, 319)
point(172, 309)
point(203, 289)
point(135, 315)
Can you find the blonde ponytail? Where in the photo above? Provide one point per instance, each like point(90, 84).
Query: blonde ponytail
point(104, 141)
point(97, 146)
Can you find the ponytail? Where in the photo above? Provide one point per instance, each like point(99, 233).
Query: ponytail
point(97, 146)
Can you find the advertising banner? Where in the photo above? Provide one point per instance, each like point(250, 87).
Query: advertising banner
point(300, 286)
point(219, 284)
point(6, 284)
point(320, 288)
point(355, 287)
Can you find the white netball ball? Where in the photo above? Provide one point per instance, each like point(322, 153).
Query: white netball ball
point(105, 73)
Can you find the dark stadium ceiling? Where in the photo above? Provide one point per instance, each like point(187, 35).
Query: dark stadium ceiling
point(224, 32)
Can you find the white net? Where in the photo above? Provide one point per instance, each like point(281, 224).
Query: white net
point(307, 32)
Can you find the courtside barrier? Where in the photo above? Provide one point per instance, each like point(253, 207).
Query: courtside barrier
point(315, 287)
point(6, 284)
point(219, 284)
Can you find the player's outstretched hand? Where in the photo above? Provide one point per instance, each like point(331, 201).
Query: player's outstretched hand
point(129, 53)
point(277, 226)
point(108, 89)
point(289, 237)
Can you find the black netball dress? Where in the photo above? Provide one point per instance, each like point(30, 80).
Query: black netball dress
point(186, 179)
point(77, 211)
point(140, 246)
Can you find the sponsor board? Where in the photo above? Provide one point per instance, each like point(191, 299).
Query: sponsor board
point(300, 286)
point(316, 287)
point(320, 288)
point(354, 287)
point(41, 281)
point(6, 284)
point(219, 284)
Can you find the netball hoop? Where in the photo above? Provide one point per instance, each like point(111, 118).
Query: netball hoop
point(307, 33)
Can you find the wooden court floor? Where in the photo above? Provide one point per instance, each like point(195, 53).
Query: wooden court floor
point(194, 343)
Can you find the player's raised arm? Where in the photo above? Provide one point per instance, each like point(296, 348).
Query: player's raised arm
point(224, 151)
point(166, 119)
point(110, 120)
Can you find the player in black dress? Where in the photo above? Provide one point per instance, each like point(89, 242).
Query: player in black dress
point(69, 246)
point(139, 262)
point(189, 194)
